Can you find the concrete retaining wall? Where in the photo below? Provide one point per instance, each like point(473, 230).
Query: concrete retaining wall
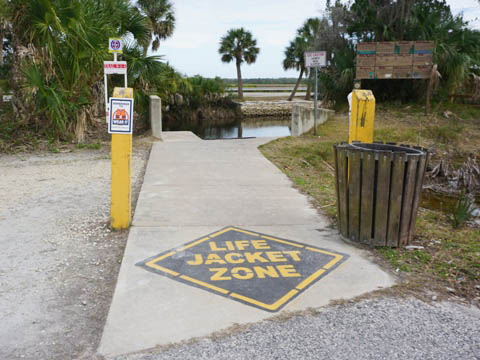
point(266, 108)
point(303, 118)
point(156, 116)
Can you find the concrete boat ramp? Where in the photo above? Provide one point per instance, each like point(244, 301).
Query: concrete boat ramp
point(220, 237)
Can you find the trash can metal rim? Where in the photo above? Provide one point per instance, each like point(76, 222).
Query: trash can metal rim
point(387, 147)
point(379, 148)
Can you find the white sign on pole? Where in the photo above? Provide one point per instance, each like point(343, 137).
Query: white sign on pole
point(115, 67)
point(315, 59)
point(121, 116)
point(7, 98)
point(115, 45)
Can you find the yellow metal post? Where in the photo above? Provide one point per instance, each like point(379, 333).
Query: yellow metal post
point(362, 117)
point(121, 208)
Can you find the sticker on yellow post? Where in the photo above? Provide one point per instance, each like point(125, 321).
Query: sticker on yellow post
point(121, 211)
point(362, 116)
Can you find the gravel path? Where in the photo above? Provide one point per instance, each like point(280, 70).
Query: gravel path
point(59, 258)
point(382, 328)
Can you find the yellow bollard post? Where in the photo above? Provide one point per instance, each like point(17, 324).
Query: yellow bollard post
point(362, 117)
point(121, 208)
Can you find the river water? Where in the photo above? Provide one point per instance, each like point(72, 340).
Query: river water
point(246, 128)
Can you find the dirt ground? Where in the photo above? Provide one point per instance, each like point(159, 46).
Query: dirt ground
point(60, 259)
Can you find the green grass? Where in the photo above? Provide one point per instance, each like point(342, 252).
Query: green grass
point(444, 134)
point(92, 146)
point(450, 257)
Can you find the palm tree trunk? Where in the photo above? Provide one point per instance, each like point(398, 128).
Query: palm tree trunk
point(1, 46)
point(296, 85)
point(309, 86)
point(19, 106)
point(240, 83)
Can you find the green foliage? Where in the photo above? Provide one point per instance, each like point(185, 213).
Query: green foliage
point(457, 47)
point(238, 45)
point(143, 73)
point(203, 90)
point(462, 211)
point(336, 83)
point(194, 91)
point(62, 46)
point(295, 51)
point(161, 17)
point(294, 54)
point(4, 85)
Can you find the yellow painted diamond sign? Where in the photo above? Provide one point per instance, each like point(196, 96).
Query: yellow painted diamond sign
point(253, 268)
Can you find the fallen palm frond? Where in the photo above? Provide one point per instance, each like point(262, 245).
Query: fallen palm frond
point(464, 178)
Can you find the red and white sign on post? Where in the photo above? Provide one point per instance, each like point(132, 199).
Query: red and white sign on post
point(315, 59)
point(115, 67)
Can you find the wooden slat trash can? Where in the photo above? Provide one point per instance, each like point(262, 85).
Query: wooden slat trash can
point(378, 191)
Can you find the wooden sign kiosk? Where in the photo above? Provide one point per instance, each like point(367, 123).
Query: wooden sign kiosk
point(397, 60)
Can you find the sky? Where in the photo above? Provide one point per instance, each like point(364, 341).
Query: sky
point(193, 48)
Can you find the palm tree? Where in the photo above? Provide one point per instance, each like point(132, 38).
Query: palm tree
point(59, 49)
point(310, 31)
point(161, 16)
point(295, 59)
point(240, 45)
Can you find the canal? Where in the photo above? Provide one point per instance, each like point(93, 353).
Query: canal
point(247, 128)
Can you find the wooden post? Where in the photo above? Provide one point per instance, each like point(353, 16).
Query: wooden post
point(367, 196)
point(341, 169)
point(396, 195)
point(429, 89)
point(382, 203)
point(354, 193)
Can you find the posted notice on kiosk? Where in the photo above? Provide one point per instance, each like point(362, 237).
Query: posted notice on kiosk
point(121, 116)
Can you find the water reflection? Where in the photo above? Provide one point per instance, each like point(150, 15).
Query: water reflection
point(257, 127)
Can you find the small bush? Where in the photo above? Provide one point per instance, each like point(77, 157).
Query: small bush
point(462, 211)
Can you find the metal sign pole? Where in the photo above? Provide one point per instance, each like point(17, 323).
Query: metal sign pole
point(315, 59)
point(107, 109)
point(315, 102)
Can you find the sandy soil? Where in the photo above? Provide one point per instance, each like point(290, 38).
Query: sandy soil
point(60, 259)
